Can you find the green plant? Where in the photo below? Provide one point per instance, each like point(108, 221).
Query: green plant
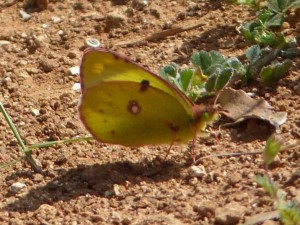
point(289, 211)
point(266, 29)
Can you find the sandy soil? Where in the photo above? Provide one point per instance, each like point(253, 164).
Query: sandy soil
point(96, 183)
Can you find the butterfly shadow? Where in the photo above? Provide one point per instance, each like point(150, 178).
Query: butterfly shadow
point(97, 180)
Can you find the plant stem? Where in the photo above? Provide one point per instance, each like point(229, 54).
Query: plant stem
point(27, 152)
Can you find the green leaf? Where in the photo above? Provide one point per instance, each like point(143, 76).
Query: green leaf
point(210, 84)
point(282, 5)
point(275, 20)
point(290, 216)
point(201, 59)
point(186, 76)
point(270, 188)
point(272, 73)
point(170, 70)
point(271, 150)
point(223, 78)
point(235, 64)
point(253, 53)
point(207, 61)
point(268, 38)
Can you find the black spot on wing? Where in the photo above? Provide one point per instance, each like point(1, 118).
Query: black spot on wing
point(174, 128)
point(144, 85)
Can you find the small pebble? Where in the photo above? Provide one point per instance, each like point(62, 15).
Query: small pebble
point(56, 19)
point(114, 20)
point(74, 70)
point(229, 214)
point(116, 189)
point(4, 42)
point(17, 186)
point(35, 112)
point(25, 16)
point(197, 171)
point(60, 32)
point(234, 178)
point(139, 4)
point(76, 87)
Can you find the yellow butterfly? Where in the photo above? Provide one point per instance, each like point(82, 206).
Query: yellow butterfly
point(126, 104)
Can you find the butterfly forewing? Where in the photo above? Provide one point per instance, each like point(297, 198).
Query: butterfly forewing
point(134, 114)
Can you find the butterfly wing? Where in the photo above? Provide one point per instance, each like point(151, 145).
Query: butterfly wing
point(132, 114)
point(100, 65)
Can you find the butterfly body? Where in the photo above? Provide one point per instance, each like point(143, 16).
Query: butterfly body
point(123, 103)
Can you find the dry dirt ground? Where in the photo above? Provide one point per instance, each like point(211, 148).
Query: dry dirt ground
point(96, 183)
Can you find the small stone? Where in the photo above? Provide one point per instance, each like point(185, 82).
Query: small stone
point(205, 209)
point(4, 42)
point(76, 87)
point(229, 214)
point(56, 19)
point(116, 189)
point(46, 209)
point(155, 13)
point(32, 70)
point(234, 179)
point(139, 4)
point(74, 70)
point(16, 187)
point(72, 55)
point(197, 171)
point(25, 16)
point(114, 20)
point(47, 65)
point(193, 181)
point(60, 32)
point(35, 112)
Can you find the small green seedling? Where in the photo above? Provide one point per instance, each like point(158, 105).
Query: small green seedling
point(264, 30)
point(289, 212)
point(210, 73)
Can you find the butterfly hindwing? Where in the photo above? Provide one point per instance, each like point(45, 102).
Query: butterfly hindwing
point(134, 114)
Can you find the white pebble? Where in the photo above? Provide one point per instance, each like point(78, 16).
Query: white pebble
point(25, 16)
point(56, 19)
point(74, 70)
point(4, 42)
point(16, 187)
point(44, 26)
point(60, 32)
point(76, 87)
point(35, 112)
point(197, 171)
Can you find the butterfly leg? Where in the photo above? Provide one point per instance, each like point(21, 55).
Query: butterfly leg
point(168, 151)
